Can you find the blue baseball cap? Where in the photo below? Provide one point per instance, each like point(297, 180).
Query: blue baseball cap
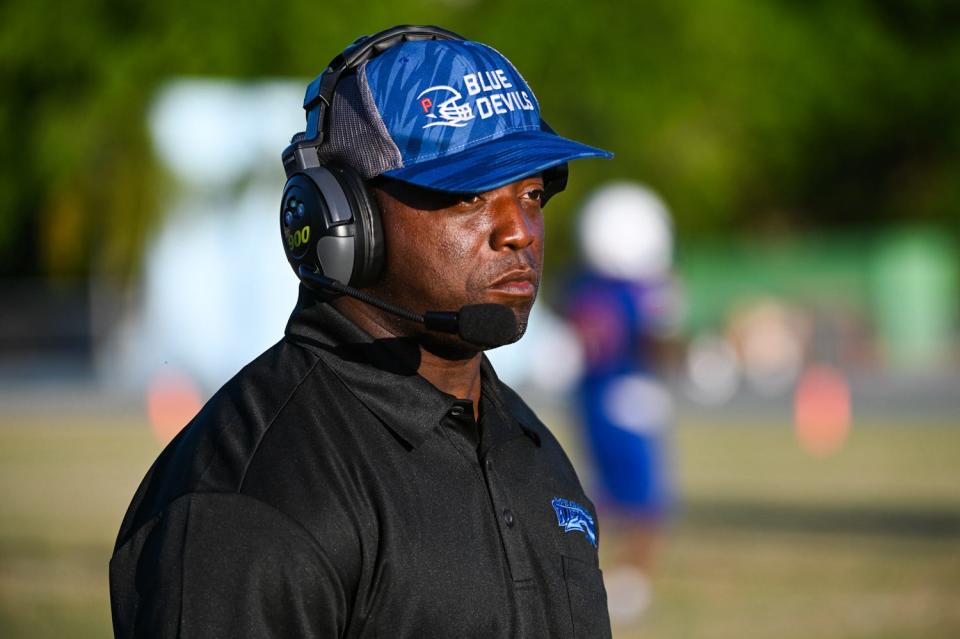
point(449, 115)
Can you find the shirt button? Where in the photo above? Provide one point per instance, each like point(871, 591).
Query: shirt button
point(489, 464)
point(508, 517)
point(456, 411)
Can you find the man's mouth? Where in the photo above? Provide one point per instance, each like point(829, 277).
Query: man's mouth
point(521, 283)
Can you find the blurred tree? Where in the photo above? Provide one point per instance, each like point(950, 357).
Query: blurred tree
point(742, 114)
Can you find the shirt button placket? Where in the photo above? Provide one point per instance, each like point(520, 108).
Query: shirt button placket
point(516, 556)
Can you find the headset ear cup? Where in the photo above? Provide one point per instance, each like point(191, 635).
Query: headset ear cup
point(368, 228)
point(330, 224)
point(301, 223)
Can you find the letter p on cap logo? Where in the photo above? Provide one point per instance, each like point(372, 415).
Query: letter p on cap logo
point(426, 103)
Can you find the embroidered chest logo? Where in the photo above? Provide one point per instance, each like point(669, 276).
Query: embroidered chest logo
point(573, 516)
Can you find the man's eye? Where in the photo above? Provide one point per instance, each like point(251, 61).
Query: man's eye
point(536, 194)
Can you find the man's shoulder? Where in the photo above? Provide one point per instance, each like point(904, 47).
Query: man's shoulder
point(229, 428)
point(212, 452)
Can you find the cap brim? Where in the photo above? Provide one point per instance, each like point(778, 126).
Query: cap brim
point(496, 163)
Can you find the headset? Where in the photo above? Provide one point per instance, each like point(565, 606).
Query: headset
point(329, 222)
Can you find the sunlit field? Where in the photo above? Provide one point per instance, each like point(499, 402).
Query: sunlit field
point(773, 543)
point(767, 541)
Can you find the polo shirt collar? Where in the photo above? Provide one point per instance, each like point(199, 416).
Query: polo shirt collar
point(382, 373)
point(500, 424)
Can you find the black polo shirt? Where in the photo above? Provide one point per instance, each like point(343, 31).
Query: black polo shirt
point(327, 490)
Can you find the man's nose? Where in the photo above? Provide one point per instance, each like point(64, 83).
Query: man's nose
point(515, 226)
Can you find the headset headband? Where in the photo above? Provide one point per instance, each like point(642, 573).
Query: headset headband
point(319, 94)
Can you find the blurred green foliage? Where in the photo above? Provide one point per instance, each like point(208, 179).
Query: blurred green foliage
point(744, 115)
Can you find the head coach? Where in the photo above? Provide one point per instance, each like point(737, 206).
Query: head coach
point(369, 475)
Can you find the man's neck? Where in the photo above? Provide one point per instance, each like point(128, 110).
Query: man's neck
point(460, 378)
point(455, 375)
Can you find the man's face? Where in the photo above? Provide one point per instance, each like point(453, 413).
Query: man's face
point(445, 251)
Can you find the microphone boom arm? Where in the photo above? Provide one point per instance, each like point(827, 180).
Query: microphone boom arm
point(488, 325)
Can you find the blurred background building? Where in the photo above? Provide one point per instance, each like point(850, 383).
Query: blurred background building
point(808, 153)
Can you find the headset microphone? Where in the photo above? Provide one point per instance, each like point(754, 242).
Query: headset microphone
point(488, 325)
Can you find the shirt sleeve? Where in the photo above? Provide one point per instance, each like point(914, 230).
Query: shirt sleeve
point(227, 565)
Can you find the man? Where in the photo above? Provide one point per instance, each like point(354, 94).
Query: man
point(366, 476)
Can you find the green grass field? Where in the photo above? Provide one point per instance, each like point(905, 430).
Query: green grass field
point(768, 542)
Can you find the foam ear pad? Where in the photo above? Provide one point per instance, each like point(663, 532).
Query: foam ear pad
point(368, 233)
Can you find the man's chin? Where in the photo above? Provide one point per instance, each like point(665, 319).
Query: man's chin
point(521, 307)
point(523, 317)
